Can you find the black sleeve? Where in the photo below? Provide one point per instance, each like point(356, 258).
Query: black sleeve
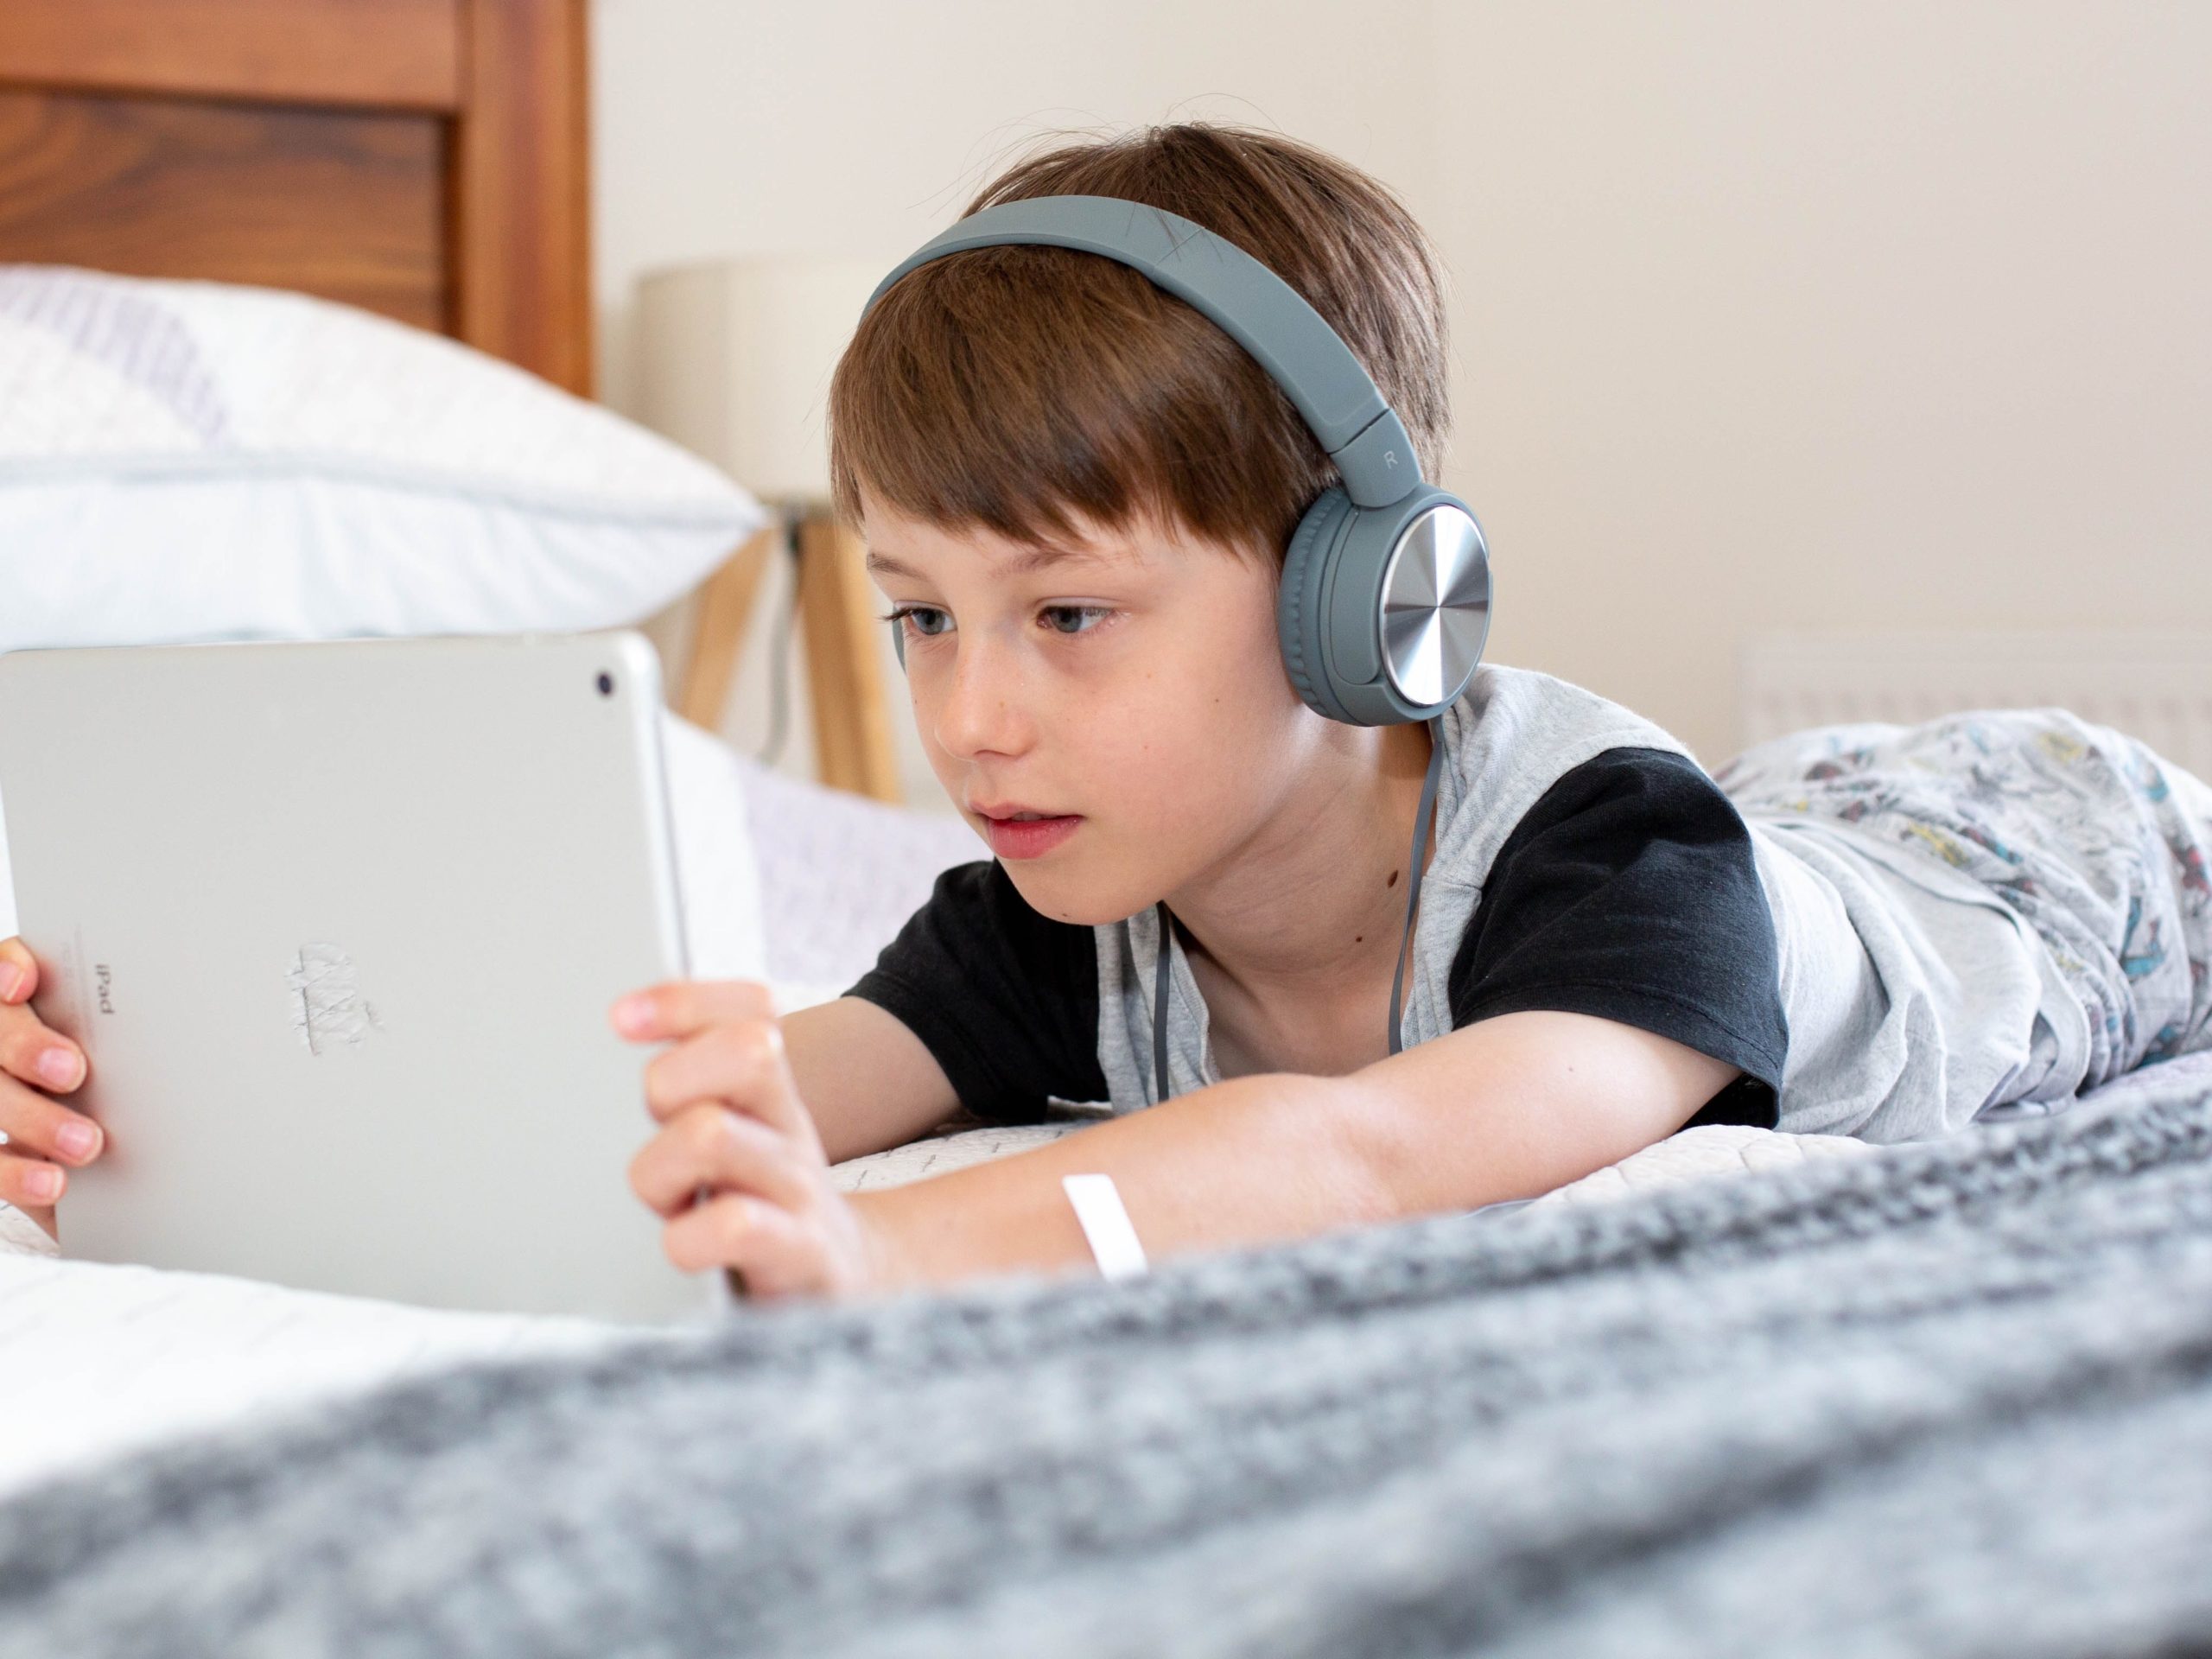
point(1005, 999)
point(1629, 892)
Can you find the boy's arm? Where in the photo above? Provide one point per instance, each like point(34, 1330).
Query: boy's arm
point(869, 1082)
point(1507, 1107)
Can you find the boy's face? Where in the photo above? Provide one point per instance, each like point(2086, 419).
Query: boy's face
point(1134, 684)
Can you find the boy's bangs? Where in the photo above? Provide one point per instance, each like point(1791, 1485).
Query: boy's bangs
point(1039, 410)
point(1025, 461)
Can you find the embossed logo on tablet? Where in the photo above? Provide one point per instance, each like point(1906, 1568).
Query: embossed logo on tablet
point(328, 1011)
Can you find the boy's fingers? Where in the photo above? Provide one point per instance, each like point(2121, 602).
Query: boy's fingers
point(742, 1061)
point(773, 1249)
point(29, 1184)
point(709, 1144)
point(18, 971)
point(678, 1008)
point(42, 1058)
point(33, 1123)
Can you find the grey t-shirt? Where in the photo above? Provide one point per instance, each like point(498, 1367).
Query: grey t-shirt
point(1910, 994)
point(1839, 912)
point(1620, 883)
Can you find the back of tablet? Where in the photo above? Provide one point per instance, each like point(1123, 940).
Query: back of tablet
point(338, 925)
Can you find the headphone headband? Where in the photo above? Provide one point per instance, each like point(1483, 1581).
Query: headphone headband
point(1248, 301)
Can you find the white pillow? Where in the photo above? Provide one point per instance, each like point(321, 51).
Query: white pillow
point(715, 864)
point(185, 460)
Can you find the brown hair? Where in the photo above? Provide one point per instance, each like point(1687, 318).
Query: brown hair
point(1005, 386)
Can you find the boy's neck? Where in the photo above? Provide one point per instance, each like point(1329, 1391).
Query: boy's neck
point(1313, 912)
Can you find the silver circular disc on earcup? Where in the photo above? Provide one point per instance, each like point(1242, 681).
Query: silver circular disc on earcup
point(1436, 605)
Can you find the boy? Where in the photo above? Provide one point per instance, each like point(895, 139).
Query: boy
point(1881, 931)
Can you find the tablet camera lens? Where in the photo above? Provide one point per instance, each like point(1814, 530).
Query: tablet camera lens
point(607, 685)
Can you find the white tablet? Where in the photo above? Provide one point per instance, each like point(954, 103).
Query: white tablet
point(338, 925)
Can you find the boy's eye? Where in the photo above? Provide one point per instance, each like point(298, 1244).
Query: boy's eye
point(898, 614)
point(1075, 610)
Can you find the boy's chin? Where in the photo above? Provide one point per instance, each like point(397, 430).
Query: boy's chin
point(1063, 896)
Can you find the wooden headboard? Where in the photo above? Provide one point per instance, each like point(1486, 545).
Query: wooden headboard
point(426, 159)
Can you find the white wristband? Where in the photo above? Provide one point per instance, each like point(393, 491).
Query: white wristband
point(1105, 1224)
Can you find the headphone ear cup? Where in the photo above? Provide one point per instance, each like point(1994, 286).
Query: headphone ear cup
point(1343, 579)
point(1300, 617)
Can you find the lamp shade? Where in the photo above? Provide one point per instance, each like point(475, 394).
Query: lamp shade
point(734, 358)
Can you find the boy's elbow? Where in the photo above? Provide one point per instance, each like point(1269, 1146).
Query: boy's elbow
point(1383, 1171)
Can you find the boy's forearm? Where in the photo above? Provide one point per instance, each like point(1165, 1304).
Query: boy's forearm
point(1507, 1107)
point(1250, 1161)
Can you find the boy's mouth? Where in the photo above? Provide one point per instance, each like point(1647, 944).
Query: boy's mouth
point(1026, 833)
point(1007, 810)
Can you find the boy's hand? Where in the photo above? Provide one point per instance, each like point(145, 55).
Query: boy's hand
point(733, 1123)
point(35, 1060)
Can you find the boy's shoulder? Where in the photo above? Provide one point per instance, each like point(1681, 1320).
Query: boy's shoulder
point(1512, 735)
point(1521, 714)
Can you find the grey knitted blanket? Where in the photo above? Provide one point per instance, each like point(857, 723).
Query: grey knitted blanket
point(1952, 1399)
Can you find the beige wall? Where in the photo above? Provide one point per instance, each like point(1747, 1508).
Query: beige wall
point(1838, 314)
point(1767, 315)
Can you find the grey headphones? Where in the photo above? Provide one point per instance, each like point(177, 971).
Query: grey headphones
point(1386, 595)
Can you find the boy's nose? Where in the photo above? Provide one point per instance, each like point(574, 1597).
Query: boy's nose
point(984, 709)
